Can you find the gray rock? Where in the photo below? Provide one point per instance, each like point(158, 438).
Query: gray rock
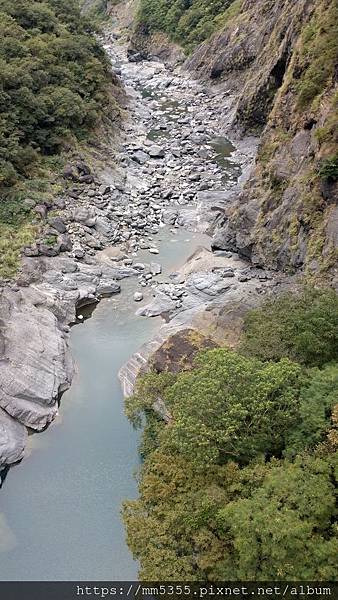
point(108, 288)
point(58, 224)
point(140, 157)
point(156, 152)
point(31, 251)
point(104, 226)
point(70, 173)
point(104, 189)
point(13, 437)
point(41, 210)
point(155, 268)
point(35, 366)
point(138, 297)
point(160, 305)
point(65, 243)
point(206, 284)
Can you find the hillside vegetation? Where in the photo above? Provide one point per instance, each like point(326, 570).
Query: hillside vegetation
point(282, 67)
point(188, 22)
point(55, 85)
point(240, 485)
point(53, 80)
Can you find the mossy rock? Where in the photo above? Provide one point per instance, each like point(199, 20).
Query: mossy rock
point(179, 351)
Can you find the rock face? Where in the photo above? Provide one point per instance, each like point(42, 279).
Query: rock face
point(285, 217)
point(35, 362)
point(204, 306)
point(13, 438)
point(35, 366)
point(179, 351)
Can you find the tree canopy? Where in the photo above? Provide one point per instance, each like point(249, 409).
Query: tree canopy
point(241, 483)
point(188, 22)
point(54, 81)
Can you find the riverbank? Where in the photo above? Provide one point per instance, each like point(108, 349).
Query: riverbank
point(170, 169)
point(64, 500)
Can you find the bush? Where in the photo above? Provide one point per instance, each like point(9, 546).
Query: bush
point(302, 327)
point(329, 169)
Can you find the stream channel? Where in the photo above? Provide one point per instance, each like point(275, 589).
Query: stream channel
point(60, 509)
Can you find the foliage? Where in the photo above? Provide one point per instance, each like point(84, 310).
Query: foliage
point(233, 407)
point(283, 530)
point(12, 240)
point(318, 53)
point(53, 81)
point(318, 398)
point(188, 22)
point(240, 484)
point(270, 521)
point(303, 327)
point(329, 168)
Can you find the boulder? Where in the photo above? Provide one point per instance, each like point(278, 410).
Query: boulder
point(155, 268)
point(58, 224)
point(35, 365)
point(138, 297)
point(41, 210)
point(140, 157)
point(13, 437)
point(70, 173)
point(108, 288)
point(156, 152)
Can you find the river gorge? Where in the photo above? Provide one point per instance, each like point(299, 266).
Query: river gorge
point(168, 279)
point(60, 508)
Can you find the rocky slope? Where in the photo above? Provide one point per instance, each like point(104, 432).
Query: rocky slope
point(163, 170)
point(281, 57)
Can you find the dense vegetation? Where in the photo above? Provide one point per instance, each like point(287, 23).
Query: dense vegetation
point(188, 22)
point(53, 79)
point(240, 485)
point(54, 87)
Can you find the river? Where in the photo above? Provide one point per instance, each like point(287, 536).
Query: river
point(60, 508)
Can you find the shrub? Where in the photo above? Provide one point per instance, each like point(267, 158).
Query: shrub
point(329, 168)
point(302, 327)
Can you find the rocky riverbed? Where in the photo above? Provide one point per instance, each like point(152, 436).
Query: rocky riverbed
point(174, 167)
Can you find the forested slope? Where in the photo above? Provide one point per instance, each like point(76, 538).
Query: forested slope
point(240, 483)
point(188, 22)
point(55, 87)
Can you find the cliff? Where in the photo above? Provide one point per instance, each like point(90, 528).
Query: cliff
point(281, 58)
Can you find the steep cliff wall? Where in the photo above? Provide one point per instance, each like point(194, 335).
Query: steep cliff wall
point(281, 56)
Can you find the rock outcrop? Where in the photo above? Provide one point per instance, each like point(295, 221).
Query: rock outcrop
point(281, 57)
point(35, 362)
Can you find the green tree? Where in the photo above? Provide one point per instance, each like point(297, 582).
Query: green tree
point(188, 22)
point(303, 327)
point(230, 406)
point(54, 81)
point(284, 529)
point(318, 397)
